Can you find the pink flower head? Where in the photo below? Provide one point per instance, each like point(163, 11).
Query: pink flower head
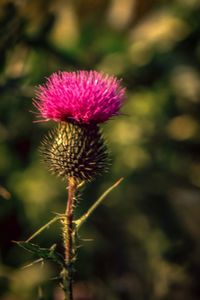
point(83, 96)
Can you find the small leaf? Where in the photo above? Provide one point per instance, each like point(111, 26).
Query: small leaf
point(45, 253)
point(82, 219)
point(43, 228)
point(87, 240)
point(33, 263)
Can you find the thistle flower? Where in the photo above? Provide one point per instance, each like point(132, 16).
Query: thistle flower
point(84, 96)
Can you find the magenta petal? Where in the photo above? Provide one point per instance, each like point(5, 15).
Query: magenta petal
point(84, 96)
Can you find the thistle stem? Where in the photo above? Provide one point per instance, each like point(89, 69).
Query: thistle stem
point(68, 240)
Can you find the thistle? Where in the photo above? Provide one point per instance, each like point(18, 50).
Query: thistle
point(75, 149)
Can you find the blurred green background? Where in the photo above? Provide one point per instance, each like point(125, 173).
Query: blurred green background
point(146, 242)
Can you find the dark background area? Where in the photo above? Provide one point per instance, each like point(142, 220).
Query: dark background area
point(145, 235)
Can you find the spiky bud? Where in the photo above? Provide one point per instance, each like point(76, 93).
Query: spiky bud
point(76, 151)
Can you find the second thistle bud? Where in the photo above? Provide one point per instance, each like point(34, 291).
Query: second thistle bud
point(76, 151)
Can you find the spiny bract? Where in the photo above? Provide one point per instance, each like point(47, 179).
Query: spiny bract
point(75, 151)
